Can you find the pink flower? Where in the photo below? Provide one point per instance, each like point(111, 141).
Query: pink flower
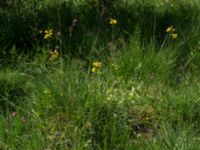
point(14, 113)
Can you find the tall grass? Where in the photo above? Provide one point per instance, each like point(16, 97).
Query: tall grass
point(145, 94)
point(123, 108)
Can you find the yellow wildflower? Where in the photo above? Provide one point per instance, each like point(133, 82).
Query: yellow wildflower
point(48, 34)
point(174, 35)
point(94, 70)
point(96, 66)
point(53, 55)
point(170, 29)
point(172, 32)
point(113, 21)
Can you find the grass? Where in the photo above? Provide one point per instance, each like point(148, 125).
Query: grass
point(144, 94)
point(121, 108)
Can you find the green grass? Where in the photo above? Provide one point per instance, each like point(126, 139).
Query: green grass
point(146, 94)
point(132, 105)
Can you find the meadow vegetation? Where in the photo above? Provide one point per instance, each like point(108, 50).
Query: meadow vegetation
point(98, 74)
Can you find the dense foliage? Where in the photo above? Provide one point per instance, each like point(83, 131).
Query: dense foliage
point(99, 74)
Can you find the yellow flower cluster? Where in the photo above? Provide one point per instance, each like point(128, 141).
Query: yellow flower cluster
point(53, 55)
point(96, 66)
point(172, 32)
point(113, 21)
point(48, 34)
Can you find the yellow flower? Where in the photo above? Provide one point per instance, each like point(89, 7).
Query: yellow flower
point(113, 21)
point(172, 32)
point(174, 35)
point(170, 29)
point(97, 64)
point(53, 55)
point(94, 70)
point(48, 34)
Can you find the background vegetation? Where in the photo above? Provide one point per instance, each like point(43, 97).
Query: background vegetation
point(97, 74)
